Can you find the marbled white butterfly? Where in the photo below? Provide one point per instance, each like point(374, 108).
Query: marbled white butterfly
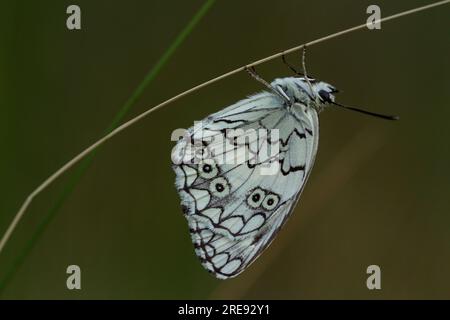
point(233, 210)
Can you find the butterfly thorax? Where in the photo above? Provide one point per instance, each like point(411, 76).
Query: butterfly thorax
point(311, 94)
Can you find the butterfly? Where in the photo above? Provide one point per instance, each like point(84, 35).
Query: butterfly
point(234, 195)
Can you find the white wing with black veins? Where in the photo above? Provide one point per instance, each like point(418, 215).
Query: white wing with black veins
point(233, 210)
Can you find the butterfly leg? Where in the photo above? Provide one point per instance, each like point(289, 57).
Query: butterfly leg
point(305, 73)
point(278, 91)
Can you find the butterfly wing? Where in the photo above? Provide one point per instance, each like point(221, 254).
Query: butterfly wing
point(233, 210)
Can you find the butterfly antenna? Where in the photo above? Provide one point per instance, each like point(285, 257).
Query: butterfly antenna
point(378, 115)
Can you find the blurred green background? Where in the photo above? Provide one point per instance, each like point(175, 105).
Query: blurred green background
point(379, 192)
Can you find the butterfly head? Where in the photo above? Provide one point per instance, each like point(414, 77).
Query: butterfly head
point(324, 92)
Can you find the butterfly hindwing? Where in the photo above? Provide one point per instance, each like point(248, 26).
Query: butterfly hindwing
point(233, 210)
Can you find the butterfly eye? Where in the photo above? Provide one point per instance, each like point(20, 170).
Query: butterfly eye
point(270, 202)
point(325, 95)
point(219, 187)
point(255, 198)
point(207, 169)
